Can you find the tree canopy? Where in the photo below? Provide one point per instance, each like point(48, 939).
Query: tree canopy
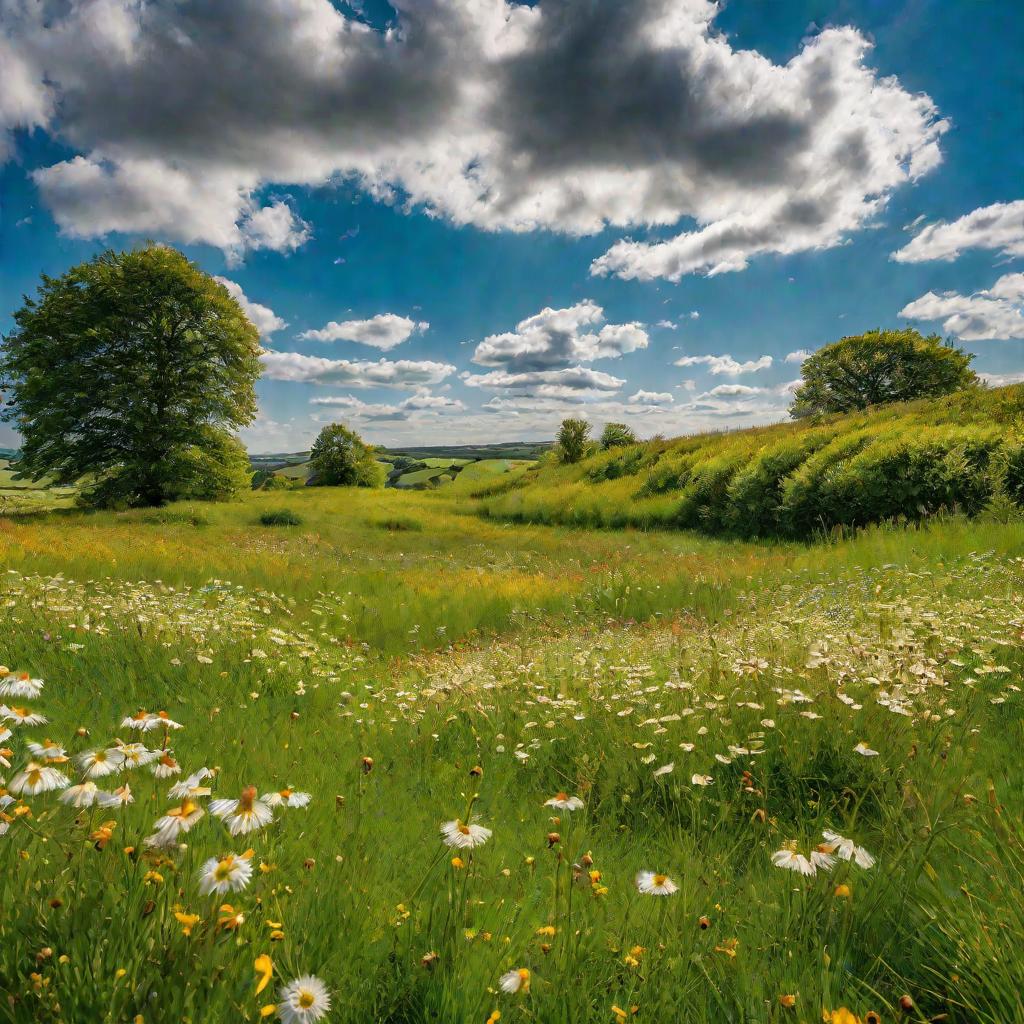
point(573, 439)
point(879, 367)
point(131, 372)
point(339, 457)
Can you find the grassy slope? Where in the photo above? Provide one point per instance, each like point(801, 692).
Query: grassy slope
point(789, 479)
point(605, 655)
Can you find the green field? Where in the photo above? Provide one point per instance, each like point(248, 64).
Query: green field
point(705, 699)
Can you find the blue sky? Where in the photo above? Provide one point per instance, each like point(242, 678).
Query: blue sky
point(631, 210)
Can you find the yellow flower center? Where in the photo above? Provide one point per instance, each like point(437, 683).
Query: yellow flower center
point(660, 879)
point(464, 829)
point(223, 870)
point(306, 999)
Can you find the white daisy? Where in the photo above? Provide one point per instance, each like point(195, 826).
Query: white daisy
point(564, 802)
point(701, 780)
point(85, 794)
point(166, 766)
point(191, 786)
point(863, 749)
point(227, 874)
point(5, 733)
point(246, 814)
point(119, 798)
point(21, 716)
point(823, 857)
point(517, 980)
point(134, 755)
point(286, 798)
point(848, 849)
point(303, 1000)
point(48, 750)
point(98, 763)
point(21, 685)
point(177, 820)
point(651, 883)
point(462, 836)
point(37, 778)
point(789, 859)
point(142, 721)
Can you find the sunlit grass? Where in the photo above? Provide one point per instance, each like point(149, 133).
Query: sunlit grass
point(476, 663)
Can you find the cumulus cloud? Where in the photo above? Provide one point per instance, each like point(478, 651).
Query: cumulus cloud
point(461, 108)
point(719, 365)
point(383, 331)
point(642, 397)
point(999, 227)
point(993, 314)
point(422, 403)
point(556, 338)
point(90, 198)
point(400, 373)
point(1001, 380)
point(263, 318)
point(798, 356)
point(576, 382)
point(733, 391)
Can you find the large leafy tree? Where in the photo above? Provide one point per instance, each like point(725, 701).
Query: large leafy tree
point(339, 457)
point(880, 367)
point(131, 372)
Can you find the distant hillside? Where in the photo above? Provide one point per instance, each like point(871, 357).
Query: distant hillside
point(418, 468)
point(792, 479)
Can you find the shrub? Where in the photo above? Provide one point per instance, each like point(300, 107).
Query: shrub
point(397, 524)
point(755, 494)
point(281, 517)
point(912, 475)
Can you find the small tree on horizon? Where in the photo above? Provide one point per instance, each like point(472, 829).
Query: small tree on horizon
point(879, 367)
point(340, 458)
point(617, 435)
point(133, 370)
point(573, 439)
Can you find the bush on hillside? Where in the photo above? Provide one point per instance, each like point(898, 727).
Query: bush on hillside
point(281, 517)
point(755, 494)
point(910, 475)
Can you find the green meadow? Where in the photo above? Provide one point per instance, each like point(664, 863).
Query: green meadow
point(712, 703)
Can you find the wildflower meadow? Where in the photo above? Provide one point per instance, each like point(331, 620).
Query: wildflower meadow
point(474, 772)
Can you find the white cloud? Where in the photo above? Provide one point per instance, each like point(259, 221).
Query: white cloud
point(797, 357)
point(275, 227)
point(573, 382)
point(461, 110)
point(642, 397)
point(668, 325)
point(694, 315)
point(90, 198)
point(999, 227)
point(733, 391)
point(420, 406)
point(401, 373)
point(994, 314)
point(263, 318)
point(555, 339)
point(719, 365)
point(1001, 380)
point(383, 331)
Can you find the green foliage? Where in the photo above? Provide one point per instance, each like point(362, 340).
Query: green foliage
point(879, 367)
point(339, 458)
point(573, 440)
point(616, 435)
point(129, 370)
point(276, 483)
point(281, 517)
